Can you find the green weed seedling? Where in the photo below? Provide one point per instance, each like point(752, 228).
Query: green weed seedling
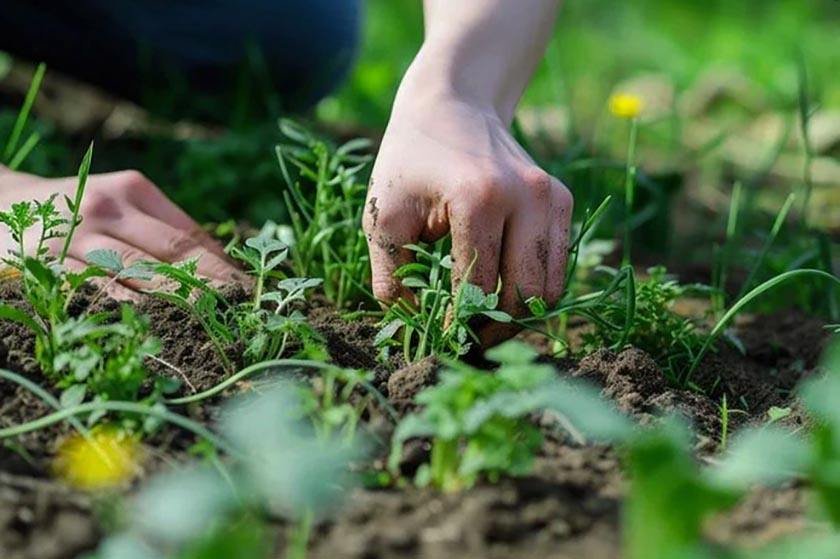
point(330, 404)
point(669, 499)
point(279, 467)
point(89, 356)
point(269, 321)
point(671, 339)
point(325, 198)
point(14, 155)
point(671, 496)
point(439, 322)
point(266, 323)
point(479, 422)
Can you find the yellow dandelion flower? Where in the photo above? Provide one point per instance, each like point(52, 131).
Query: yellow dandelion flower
point(626, 105)
point(107, 459)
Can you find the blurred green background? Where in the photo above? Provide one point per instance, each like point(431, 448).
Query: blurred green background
point(722, 81)
point(598, 43)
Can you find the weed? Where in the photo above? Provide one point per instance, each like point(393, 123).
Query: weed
point(89, 356)
point(332, 404)
point(671, 339)
point(479, 422)
point(820, 398)
point(264, 325)
point(628, 107)
point(440, 322)
point(270, 320)
point(662, 473)
point(742, 303)
point(723, 255)
point(326, 222)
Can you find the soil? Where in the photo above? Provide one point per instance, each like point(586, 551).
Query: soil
point(569, 507)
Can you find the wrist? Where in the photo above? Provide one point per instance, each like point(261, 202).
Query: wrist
point(437, 76)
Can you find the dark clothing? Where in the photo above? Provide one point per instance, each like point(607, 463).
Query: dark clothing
point(140, 48)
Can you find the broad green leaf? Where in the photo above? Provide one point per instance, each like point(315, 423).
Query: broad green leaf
point(587, 411)
point(387, 332)
point(40, 272)
point(498, 316)
point(73, 396)
point(512, 352)
point(415, 283)
point(9, 312)
point(108, 259)
point(761, 456)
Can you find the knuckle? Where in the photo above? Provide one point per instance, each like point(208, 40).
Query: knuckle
point(99, 204)
point(563, 194)
point(133, 182)
point(537, 181)
point(488, 190)
point(384, 218)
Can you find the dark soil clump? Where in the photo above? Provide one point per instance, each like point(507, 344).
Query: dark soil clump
point(405, 383)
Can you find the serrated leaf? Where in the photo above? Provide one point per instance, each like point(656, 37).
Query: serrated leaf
point(9, 312)
point(138, 270)
point(108, 259)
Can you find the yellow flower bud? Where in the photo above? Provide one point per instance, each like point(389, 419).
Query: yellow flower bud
point(107, 459)
point(626, 105)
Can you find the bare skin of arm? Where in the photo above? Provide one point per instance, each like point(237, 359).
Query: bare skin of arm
point(449, 164)
point(124, 212)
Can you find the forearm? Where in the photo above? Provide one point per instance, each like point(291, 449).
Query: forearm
point(482, 51)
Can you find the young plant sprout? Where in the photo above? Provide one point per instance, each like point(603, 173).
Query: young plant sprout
point(671, 339)
point(266, 323)
point(90, 356)
point(336, 402)
point(325, 199)
point(480, 422)
point(440, 322)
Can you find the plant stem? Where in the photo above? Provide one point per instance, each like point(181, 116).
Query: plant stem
point(804, 126)
point(129, 407)
point(233, 379)
point(724, 424)
point(45, 396)
point(629, 189)
point(84, 169)
point(299, 542)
